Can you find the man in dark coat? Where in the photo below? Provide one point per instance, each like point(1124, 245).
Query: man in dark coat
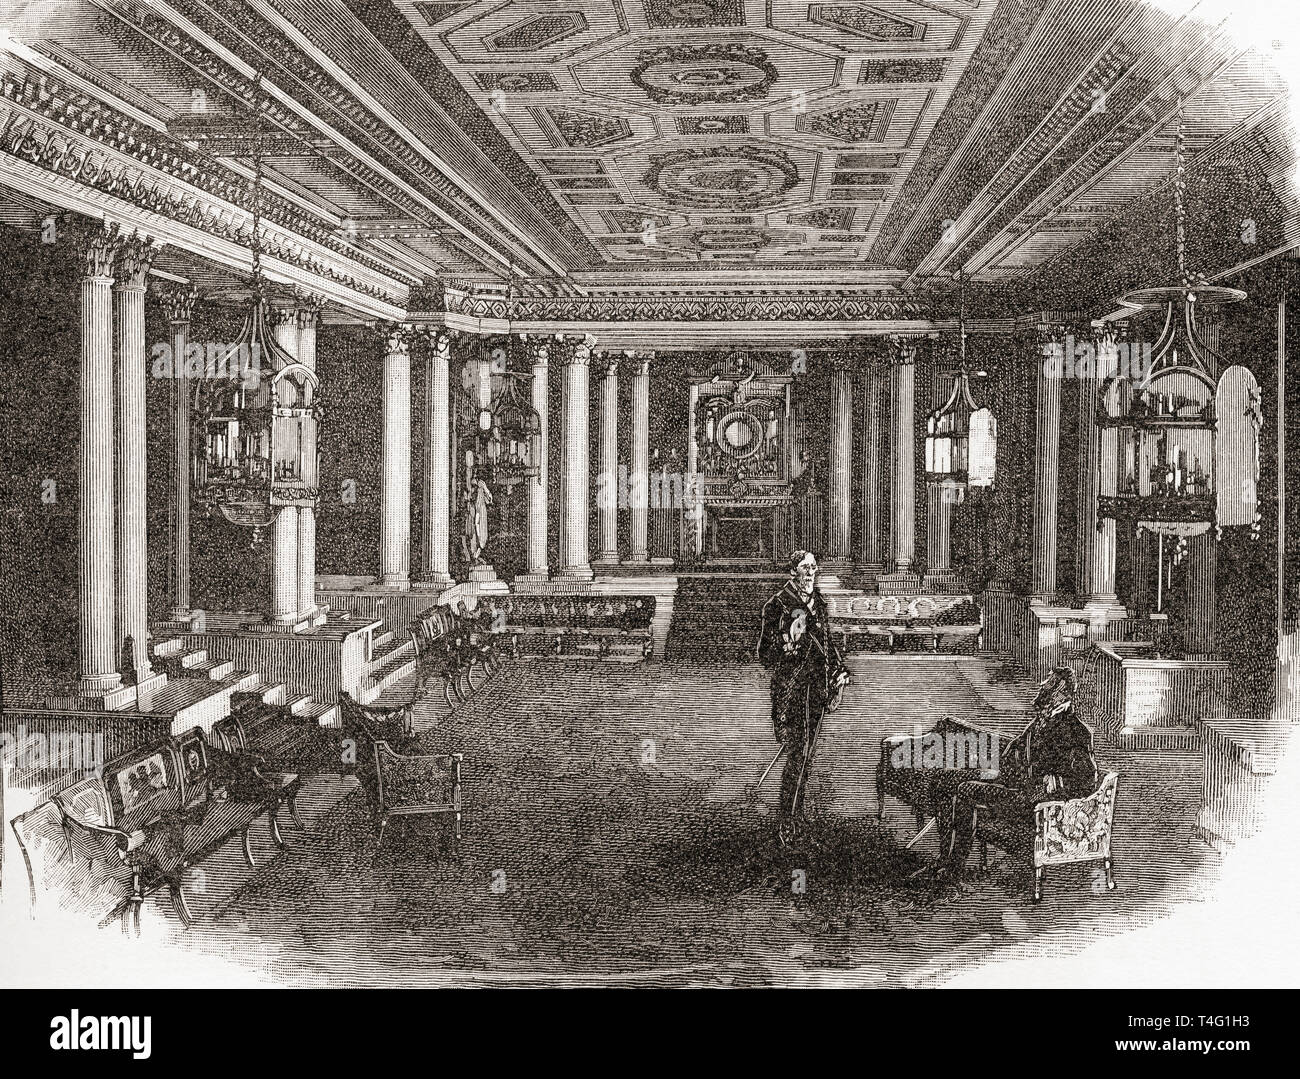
point(1050, 760)
point(808, 678)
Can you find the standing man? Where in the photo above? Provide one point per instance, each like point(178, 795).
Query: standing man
point(808, 678)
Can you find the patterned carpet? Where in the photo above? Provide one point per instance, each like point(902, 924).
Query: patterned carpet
point(611, 836)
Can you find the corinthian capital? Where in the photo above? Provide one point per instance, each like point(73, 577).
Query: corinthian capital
point(397, 338)
point(606, 364)
point(580, 353)
point(134, 257)
point(539, 351)
point(903, 349)
point(97, 243)
point(178, 302)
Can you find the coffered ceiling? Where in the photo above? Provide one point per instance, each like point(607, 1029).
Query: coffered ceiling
point(580, 146)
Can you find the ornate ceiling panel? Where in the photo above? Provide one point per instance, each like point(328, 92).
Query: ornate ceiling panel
point(797, 119)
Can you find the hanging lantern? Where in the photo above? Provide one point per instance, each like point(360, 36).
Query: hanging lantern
point(256, 413)
point(961, 437)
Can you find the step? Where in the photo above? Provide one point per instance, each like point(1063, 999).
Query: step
point(380, 639)
point(216, 669)
point(167, 647)
point(194, 658)
point(325, 715)
point(273, 693)
point(299, 703)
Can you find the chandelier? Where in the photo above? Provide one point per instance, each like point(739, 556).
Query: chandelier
point(961, 437)
point(257, 430)
point(1181, 343)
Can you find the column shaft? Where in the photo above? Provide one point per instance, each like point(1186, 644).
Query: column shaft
point(435, 553)
point(870, 550)
point(639, 481)
point(574, 475)
point(839, 504)
point(538, 488)
point(284, 567)
point(395, 547)
point(607, 485)
point(306, 570)
point(1046, 464)
point(132, 480)
point(903, 461)
point(97, 630)
point(179, 305)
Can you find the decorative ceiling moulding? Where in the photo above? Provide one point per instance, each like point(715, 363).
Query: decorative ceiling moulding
point(75, 172)
point(867, 122)
point(722, 177)
point(713, 73)
point(516, 82)
point(670, 14)
point(1137, 107)
point(46, 100)
point(581, 129)
point(536, 32)
point(922, 70)
point(867, 22)
point(436, 298)
point(322, 99)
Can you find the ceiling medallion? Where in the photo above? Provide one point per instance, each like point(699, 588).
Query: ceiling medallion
point(723, 177)
point(700, 74)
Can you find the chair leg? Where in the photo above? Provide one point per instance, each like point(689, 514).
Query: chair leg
point(1040, 873)
point(248, 846)
point(383, 823)
point(293, 812)
point(1110, 876)
point(275, 826)
point(179, 903)
point(984, 857)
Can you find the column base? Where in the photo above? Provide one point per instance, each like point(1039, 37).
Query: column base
point(606, 558)
point(401, 581)
point(574, 573)
point(901, 582)
point(99, 685)
point(1104, 608)
point(943, 583)
point(433, 582)
point(533, 579)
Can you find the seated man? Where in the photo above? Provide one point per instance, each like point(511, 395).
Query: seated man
point(1049, 760)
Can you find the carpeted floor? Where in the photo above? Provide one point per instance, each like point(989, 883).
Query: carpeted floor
point(612, 834)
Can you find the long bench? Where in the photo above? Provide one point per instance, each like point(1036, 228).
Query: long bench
point(449, 646)
point(615, 628)
point(113, 839)
point(934, 624)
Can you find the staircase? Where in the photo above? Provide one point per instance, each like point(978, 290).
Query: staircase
point(392, 658)
point(199, 689)
point(716, 619)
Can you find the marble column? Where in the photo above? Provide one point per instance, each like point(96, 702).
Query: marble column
point(308, 318)
point(607, 485)
point(284, 567)
point(97, 636)
point(133, 261)
point(1047, 440)
point(1201, 595)
point(839, 504)
point(435, 551)
point(1098, 476)
point(574, 477)
point(178, 304)
point(903, 578)
point(639, 480)
point(284, 526)
point(870, 550)
point(539, 354)
point(395, 526)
